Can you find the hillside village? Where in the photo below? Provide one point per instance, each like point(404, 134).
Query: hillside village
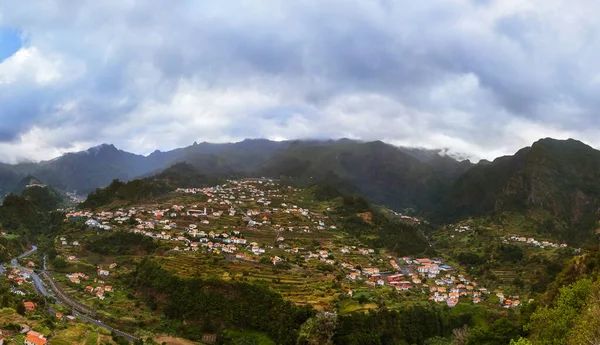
point(258, 221)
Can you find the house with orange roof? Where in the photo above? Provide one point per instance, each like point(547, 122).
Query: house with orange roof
point(451, 302)
point(34, 338)
point(29, 306)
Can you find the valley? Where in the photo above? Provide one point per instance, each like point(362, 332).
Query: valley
point(299, 242)
point(187, 256)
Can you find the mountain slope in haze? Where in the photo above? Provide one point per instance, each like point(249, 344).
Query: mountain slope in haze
point(381, 172)
point(80, 171)
point(221, 159)
point(98, 166)
point(444, 165)
point(554, 182)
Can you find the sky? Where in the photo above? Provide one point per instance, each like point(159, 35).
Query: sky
point(481, 78)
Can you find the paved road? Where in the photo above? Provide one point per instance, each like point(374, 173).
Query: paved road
point(41, 289)
point(14, 261)
point(39, 285)
point(27, 253)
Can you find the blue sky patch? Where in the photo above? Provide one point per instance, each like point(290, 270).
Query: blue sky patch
point(10, 42)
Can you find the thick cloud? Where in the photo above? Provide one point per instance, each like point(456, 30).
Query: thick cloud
point(482, 78)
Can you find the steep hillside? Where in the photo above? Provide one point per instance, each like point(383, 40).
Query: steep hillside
point(44, 198)
point(83, 171)
point(445, 166)
point(381, 172)
point(80, 171)
point(8, 179)
point(26, 182)
point(554, 182)
point(181, 175)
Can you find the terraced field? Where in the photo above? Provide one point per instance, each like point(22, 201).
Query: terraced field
point(72, 335)
point(298, 285)
point(315, 289)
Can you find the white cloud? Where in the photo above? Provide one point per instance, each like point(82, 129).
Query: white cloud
point(28, 65)
point(478, 77)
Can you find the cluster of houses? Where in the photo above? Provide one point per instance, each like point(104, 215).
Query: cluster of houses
point(522, 239)
point(511, 302)
point(64, 242)
point(19, 276)
point(534, 242)
point(193, 229)
point(429, 276)
point(100, 288)
point(462, 228)
point(406, 217)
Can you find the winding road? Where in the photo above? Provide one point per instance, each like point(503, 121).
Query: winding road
point(62, 298)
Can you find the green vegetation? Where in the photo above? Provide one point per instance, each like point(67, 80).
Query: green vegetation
point(381, 172)
point(231, 337)
point(416, 325)
point(554, 324)
point(206, 305)
point(122, 243)
point(553, 183)
point(180, 175)
point(26, 219)
point(71, 335)
point(134, 191)
point(92, 338)
point(44, 199)
point(14, 301)
point(377, 229)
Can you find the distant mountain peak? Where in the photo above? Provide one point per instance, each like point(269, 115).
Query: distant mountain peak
point(102, 148)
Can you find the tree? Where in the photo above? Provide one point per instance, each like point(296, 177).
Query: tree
point(553, 325)
point(59, 262)
point(21, 309)
point(500, 332)
point(318, 330)
point(586, 328)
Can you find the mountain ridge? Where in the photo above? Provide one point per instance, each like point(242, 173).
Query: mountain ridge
point(97, 166)
point(552, 181)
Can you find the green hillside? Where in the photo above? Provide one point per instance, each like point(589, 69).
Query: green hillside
point(553, 182)
point(181, 175)
point(381, 172)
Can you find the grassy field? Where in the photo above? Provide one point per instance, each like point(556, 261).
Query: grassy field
point(72, 335)
point(92, 338)
point(8, 315)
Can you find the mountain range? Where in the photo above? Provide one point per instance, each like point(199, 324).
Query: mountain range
point(388, 174)
point(553, 182)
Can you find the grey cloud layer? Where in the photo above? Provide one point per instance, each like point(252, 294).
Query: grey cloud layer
point(479, 77)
